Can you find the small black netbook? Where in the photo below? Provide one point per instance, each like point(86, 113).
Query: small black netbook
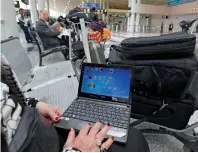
point(104, 94)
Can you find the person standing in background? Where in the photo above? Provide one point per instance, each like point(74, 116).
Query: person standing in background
point(162, 28)
point(23, 25)
point(93, 16)
point(171, 27)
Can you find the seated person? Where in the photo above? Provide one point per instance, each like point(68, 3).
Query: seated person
point(58, 24)
point(48, 36)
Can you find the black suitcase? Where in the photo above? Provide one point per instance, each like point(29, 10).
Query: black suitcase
point(97, 52)
point(174, 45)
point(172, 113)
point(78, 49)
point(159, 82)
point(159, 77)
point(175, 114)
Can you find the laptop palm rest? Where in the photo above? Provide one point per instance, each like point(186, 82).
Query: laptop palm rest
point(119, 134)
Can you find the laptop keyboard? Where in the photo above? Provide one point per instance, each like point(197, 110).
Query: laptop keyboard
point(92, 112)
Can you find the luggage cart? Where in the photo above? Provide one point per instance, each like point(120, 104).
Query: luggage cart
point(80, 30)
point(92, 49)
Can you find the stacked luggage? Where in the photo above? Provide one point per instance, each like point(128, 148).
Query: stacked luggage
point(165, 69)
point(98, 32)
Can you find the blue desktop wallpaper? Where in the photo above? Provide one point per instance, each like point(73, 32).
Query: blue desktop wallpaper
point(113, 82)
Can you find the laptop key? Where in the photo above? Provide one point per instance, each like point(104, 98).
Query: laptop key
point(93, 120)
point(100, 114)
point(124, 118)
point(87, 115)
point(101, 117)
point(106, 122)
point(115, 120)
point(124, 121)
point(68, 111)
point(120, 125)
point(88, 119)
point(85, 118)
point(118, 117)
point(69, 115)
point(113, 116)
point(116, 124)
point(109, 115)
point(125, 126)
point(104, 114)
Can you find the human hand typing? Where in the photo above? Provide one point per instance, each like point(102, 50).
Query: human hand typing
point(90, 138)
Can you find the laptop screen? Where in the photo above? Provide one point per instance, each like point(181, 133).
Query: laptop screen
point(106, 82)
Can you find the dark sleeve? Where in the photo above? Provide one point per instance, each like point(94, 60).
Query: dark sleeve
point(41, 29)
point(96, 17)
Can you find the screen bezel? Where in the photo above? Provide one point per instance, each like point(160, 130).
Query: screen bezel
point(102, 97)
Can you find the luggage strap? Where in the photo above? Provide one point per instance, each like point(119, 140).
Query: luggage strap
point(148, 117)
point(117, 48)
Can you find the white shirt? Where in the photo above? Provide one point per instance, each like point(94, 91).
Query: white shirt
point(20, 19)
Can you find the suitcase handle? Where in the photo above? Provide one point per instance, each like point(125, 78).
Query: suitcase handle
point(152, 117)
point(117, 48)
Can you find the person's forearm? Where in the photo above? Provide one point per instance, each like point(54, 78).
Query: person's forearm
point(47, 32)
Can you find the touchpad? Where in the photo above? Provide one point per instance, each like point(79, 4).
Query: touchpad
point(66, 123)
point(80, 125)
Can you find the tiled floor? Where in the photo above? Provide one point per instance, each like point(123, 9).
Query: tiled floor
point(157, 143)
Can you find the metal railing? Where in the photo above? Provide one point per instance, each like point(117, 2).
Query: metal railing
point(117, 28)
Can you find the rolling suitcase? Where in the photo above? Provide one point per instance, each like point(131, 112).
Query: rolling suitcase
point(78, 49)
point(159, 77)
point(159, 83)
point(97, 52)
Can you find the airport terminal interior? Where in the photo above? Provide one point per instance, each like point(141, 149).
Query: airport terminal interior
point(51, 73)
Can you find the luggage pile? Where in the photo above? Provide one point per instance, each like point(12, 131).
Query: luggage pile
point(99, 32)
point(165, 70)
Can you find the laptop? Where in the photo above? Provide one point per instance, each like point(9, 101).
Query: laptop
point(104, 94)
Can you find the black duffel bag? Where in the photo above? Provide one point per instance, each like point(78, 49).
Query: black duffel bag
point(174, 45)
point(159, 77)
point(169, 112)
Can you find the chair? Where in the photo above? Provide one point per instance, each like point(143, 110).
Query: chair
point(56, 83)
point(42, 52)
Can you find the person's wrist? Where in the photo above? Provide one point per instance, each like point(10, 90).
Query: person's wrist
point(38, 105)
point(32, 102)
point(70, 149)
